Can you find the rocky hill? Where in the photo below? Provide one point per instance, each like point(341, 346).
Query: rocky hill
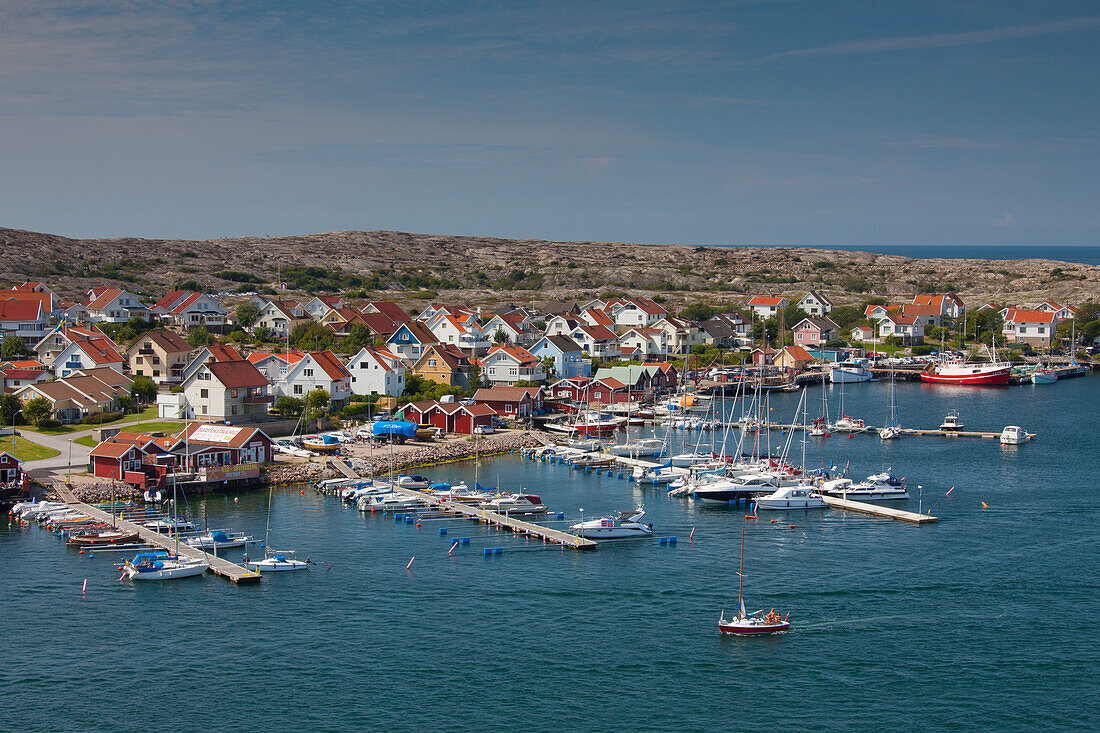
point(407, 266)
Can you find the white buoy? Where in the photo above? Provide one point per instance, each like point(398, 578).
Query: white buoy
point(410, 562)
point(84, 587)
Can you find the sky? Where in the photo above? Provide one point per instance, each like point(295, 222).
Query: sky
point(744, 122)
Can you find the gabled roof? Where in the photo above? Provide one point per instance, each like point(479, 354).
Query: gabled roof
point(932, 309)
point(563, 344)
point(43, 299)
point(504, 394)
point(418, 331)
point(611, 383)
point(223, 352)
point(291, 356)
point(331, 365)
point(13, 309)
point(237, 374)
point(391, 310)
point(107, 375)
point(766, 300)
point(816, 296)
point(520, 354)
point(170, 341)
point(797, 353)
point(101, 350)
point(598, 317)
point(17, 373)
point(217, 435)
point(902, 320)
point(1021, 316)
point(821, 324)
point(598, 333)
point(452, 356)
point(379, 356)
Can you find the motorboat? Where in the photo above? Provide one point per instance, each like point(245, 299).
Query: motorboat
point(687, 403)
point(390, 501)
point(686, 460)
point(321, 443)
point(109, 536)
point(1044, 376)
point(880, 486)
point(170, 524)
point(748, 624)
point(658, 475)
point(162, 566)
point(460, 493)
point(848, 424)
point(800, 496)
point(276, 562)
point(618, 526)
point(515, 504)
point(284, 445)
point(740, 488)
point(1013, 435)
point(644, 448)
point(850, 370)
point(153, 496)
point(952, 422)
point(220, 540)
point(890, 432)
point(416, 483)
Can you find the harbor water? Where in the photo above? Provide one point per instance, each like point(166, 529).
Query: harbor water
point(987, 619)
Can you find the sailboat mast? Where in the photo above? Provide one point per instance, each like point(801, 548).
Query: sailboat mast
point(741, 574)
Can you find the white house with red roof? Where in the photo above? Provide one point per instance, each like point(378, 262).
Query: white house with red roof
point(275, 364)
point(516, 328)
point(1061, 312)
point(231, 391)
point(644, 342)
point(909, 328)
point(562, 325)
point(87, 353)
point(635, 312)
point(54, 342)
point(462, 330)
point(949, 305)
point(279, 317)
point(1034, 327)
point(13, 377)
point(596, 341)
point(114, 305)
point(24, 319)
point(189, 309)
point(317, 370)
point(317, 306)
point(766, 306)
point(506, 365)
point(862, 333)
point(377, 371)
point(597, 317)
point(929, 316)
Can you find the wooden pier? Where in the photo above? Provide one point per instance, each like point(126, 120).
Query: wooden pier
point(958, 433)
point(341, 465)
point(502, 520)
point(217, 565)
point(878, 511)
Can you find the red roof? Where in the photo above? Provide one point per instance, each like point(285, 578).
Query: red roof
point(1019, 316)
point(598, 317)
point(921, 310)
point(765, 300)
point(599, 333)
point(100, 350)
point(330, 364)
point(391, 310)
point(14, 373)
point(520, 354)
point(236, 374)
point(797, 353)
point(224, 352)
point(12, 309)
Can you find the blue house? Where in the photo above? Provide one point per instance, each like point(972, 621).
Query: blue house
point(567, 356)
point(410, 340)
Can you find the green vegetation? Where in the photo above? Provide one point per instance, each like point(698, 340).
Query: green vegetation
point(248, 313)
point(87, 441)
point(25, 450)
point(238, 277)
point(417, 388)
point(13, 348)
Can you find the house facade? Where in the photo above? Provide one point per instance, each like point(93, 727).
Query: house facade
point(377, 371)
point(567, 354)
point(815, 304)
point(188, 309)
point(87, 353)
point(814, 331)
point(506, 365)
point(161, 355)
point(444, 364)
point(410, 340)
point(79, 396)
point(114, 305)
point(766, 306)
point(317, 370)
point(1032, 327)
point(26, 320)
point(451, 417)
point(226, 391)
point(516, 402)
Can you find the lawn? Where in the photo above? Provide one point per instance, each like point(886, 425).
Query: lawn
point(25, 450)
point(154, 426)
point(148, 417)
point(87, 441)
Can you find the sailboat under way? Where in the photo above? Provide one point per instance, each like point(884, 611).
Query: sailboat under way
point(748, 624)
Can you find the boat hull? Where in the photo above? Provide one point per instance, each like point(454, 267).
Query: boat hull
point(847, 376)
point(186, 571)
point(752, 629)
point(981, 379)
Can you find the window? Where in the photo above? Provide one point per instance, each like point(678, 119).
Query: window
point(431, 362)
point(204, 393)
point(156, 372)
point(233, 410)
point(203, 410)
point(232, 393)
point(307, 372)
point(297, 389)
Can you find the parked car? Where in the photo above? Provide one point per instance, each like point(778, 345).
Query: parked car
point(484, 430)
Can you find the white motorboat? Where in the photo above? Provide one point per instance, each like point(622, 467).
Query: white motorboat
point(880, 486)
point(847, 424)
point(618, 526)
point(461, 493)
point(170, 524)
point(740, 488)
point(800, 496)
point(1013, 435)
point(685, 460)
point(390, 501)
point(220, 540)
point(646, 447)
point(952, 422)
point(162, 566)
point(276, 562)
point(416, 483)
point(851, 370)
point(515, 504)
point(658, 475)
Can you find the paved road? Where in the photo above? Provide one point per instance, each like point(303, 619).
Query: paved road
point(59, 464)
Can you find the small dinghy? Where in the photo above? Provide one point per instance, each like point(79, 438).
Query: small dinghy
point(105, 537)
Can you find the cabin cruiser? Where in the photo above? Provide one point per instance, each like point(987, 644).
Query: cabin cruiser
point(160, 565)
point(416, 483)
point(800, 496)
point(646, 447)
point(170, 524)
point(1013, 435)
point(740, 488)
point(618, 526)
point(847, 424)
point(686, 460)
point(277, 562)
point(460, 493)
point(515, 504)
point(219, 540)
point(658, 475)
point(851, 370)
point(389, 501)
point(952, 422)
point(881, 486)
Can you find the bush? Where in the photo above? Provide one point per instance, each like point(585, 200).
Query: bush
point(48, 423)
point(356, 408)
point(100, 417)
point(922, 349)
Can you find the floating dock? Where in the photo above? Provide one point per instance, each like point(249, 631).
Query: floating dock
point(958, 433)
point(217, 565)
point(518, 526)
point(878, 511)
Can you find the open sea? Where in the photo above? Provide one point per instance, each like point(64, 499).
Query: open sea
point(1080, 254)
point(986, 620)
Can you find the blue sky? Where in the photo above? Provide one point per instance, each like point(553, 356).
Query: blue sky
point(790, 122)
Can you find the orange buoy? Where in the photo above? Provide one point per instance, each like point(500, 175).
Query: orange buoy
point(792, 526)
point(984, 505)
point(418, 525)
point(773, 521)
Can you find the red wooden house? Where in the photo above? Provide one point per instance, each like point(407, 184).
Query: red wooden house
point(451, 417)
point(10, 468)
point(511, 401)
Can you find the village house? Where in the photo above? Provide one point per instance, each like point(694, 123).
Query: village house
point(596, 341)
point(928, 316)
point(410, 340)
point(949, 305)
point(741, 326)
point(762, 356)
point(462, 331)
point(27, 320)
point(160, 355)
point(794, 358)
point(444, 364)
point(274, 364)
point(226, 391)
point(645, 341)
point(13, 377)
point(317, 370)
point(506, 365)
point(450, 417)
point(390, 310)
point(516, 402)
point(54, 342)
point(279, 317)
point(570, 388)
point(514, 327)
point(716, 332)
point(597, 317)
point(1061, 312)
point(567, 354)
point(188, 309)
point(80, 395)
point(815, 304)
point(319, 305)
point(680, 334)
point(766, 306)
point(11, 468)
point(377, 371)
point(635, 312)
point(1032, 327)
point(87, 353)
point(114, 305)
point(908, 328)
point(814, 331)
point(862, 333)
point(213, 352)
point(562, 325)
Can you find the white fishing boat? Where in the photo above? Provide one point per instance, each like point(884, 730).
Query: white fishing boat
point(278, 561)
point(515, 504)
point(850, 370)
point(800, 496)
point(618, 526)
point(1013, 435)
point(880, 486)
point(220, 540)
point(746, 624)
point(162, 566)
point(952, 422)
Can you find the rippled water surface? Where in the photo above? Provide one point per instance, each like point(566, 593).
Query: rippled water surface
point(986, 620)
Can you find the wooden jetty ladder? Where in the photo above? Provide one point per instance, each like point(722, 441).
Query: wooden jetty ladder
point(216, 565)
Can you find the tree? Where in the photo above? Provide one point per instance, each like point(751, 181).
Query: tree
point(500, 337)
point(199, 337)
point(359, 336)
point(474, 383)
point(36, 410)
point(289, 406)
point(698, 312)
point(317, 401)
point(261, 334)
point(312, 336)
point(846, 316)
point(143, 389)
point(127, 403)
point(248, 313)
point(550, 366)
point(12, 348)
point(9, 405)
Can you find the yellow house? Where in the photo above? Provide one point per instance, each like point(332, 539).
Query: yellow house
point(160, 355)
point(444, 364)
point(792, 357)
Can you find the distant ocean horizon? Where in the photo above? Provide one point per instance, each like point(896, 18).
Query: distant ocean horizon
point(1084, 254)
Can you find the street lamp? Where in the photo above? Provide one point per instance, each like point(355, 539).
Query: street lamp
point(17, 412)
